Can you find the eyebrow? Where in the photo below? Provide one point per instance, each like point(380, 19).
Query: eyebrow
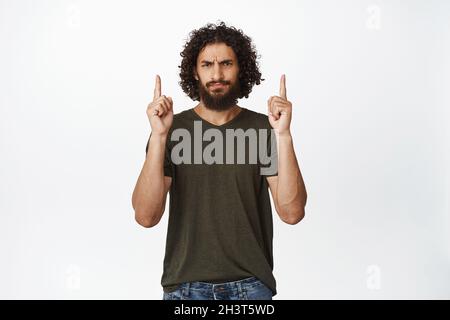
point(226, 60)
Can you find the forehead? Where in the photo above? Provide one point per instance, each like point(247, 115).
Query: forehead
point(219, 51)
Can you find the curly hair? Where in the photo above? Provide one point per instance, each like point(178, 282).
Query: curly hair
point(242, 46)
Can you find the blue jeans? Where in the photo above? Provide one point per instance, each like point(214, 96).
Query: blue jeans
point(245, 289)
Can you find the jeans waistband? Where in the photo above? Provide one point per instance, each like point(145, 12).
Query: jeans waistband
point(209, 285)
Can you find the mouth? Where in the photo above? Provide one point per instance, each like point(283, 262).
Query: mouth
point(217, 85)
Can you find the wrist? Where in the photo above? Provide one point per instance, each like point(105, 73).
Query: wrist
point(159, 136)
point(283, 134)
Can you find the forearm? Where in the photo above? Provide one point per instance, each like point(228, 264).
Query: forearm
point(291, 191)
point(148, 195)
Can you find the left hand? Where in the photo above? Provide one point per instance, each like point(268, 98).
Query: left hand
point(280, 109)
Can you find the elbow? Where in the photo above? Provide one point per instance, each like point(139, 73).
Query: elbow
point(294, 216)
point(145, 223)
point(146, 217)
point(145, 220)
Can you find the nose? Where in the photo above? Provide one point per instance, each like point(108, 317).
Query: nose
point(217, 72)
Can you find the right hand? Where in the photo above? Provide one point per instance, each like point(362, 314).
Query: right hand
point(160, 111)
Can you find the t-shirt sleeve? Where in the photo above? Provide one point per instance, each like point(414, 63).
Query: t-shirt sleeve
point(270, 169)
point(168, 165)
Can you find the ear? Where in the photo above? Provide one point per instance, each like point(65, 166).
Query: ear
point(195, 74)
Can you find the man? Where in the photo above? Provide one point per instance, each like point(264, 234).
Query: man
point(219, 240)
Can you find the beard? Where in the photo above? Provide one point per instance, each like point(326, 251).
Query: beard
point(220, 99)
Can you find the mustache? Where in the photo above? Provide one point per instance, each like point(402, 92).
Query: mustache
point(215, 82)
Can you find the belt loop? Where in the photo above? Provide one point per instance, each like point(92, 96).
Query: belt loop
point(186, 289)
point(239, 287)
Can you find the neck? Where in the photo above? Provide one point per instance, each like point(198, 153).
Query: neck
point(217, 117)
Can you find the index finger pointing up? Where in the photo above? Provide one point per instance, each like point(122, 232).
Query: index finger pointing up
point(283, 87)
point(157, 92)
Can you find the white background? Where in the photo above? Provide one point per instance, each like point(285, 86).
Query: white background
point(369, 82)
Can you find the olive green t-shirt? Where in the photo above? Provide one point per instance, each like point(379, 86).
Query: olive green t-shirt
point(220, 225)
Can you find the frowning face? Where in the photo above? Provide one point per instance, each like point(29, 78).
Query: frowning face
point(217, 73)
